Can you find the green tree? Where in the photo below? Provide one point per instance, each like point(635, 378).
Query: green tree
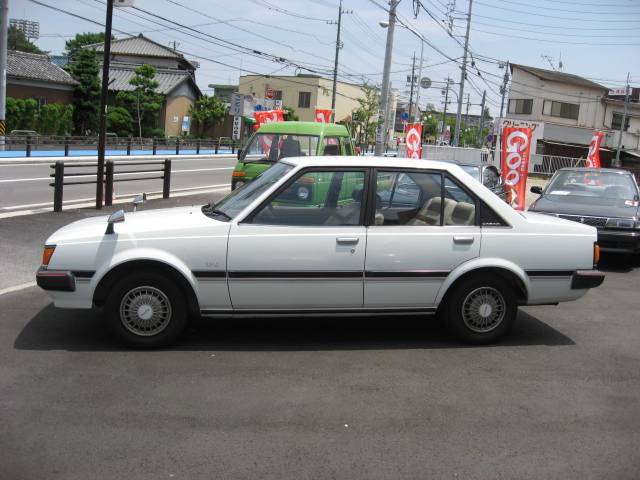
point(120, 121)
point(290, 114)
point(207, 111)
point(366, 123)
point(74, 46)
point(86, 96)
point(142, 102)
point(18, 41)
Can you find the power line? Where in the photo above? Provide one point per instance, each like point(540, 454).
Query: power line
point(568, 11)
point(563, 27)
point(553, 40)
point(573, 19)
point(275, 8)
point(563, 33)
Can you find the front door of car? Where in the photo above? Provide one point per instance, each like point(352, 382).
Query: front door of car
point(303, 248)
point(424, 226)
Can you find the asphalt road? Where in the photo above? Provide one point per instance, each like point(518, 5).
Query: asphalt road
point(26, 185)
point(325, 398)
point(316, 398)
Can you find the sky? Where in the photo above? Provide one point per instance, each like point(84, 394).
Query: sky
point(597, 39)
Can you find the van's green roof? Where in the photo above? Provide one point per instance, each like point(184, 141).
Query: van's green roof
point(305, 128)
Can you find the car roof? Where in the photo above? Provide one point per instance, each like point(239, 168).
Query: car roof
point(365, 161)
point(305, 128)
point(591, 169)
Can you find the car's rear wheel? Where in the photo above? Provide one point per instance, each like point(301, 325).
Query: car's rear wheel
point(146, 310)
point(480, 309)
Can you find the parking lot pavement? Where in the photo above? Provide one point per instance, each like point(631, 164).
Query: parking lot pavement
point(325, 398)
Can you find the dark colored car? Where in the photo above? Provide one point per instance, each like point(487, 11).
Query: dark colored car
point(486, 174)
point(605, 198)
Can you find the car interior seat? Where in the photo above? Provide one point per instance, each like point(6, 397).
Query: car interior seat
point(331, 150)
point(429, 214)
point(462, 214)
point(290, 148)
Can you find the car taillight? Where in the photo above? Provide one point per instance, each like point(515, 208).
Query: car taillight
point(47, 253)
point(596, 254)
point(238, 174)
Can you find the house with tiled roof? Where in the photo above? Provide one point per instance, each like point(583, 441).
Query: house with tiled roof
point(174, 74)
point(31, 75)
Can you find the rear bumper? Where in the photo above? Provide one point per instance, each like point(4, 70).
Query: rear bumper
point(625, 241)
point(56, 280)
point(583, 279)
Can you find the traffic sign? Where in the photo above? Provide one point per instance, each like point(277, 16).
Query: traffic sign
point(404, 116)
point(425, 82)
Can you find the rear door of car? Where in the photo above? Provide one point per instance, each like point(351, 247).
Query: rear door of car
point(424, 225)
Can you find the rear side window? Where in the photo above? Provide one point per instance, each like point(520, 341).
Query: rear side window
point(463, 205)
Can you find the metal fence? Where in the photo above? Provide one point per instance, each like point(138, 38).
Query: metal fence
point(70, 145)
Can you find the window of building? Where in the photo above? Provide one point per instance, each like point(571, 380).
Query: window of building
point(561, 109)
point(304, 99)
point(277, 94)
point(616, 122)
point(521, 105)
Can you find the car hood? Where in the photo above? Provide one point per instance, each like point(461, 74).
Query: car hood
point(166, 221)
point(589, 206)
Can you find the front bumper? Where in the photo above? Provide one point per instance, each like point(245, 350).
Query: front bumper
point(56, 280)
point(624, 241)
point(583, 279)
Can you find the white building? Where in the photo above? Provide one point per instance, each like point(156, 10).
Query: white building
point(567, 109)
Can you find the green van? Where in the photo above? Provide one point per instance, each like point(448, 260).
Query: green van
point(277, 140)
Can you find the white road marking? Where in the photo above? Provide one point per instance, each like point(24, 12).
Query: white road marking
point(17, 288)
point(118, 174)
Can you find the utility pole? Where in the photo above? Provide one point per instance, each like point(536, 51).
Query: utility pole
point(419, 80)
point(444, 112)
point(616, 162)
point(463, 74)
point(4, 31)
point(413, 70)
point(381, 132)
point(103, 104)
point(335, 64)
point(503, 88)
point(481, 126)
point(466, 116)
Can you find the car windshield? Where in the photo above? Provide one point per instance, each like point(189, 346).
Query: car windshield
point(590, 183)
point(272, 147)
point(238, 199)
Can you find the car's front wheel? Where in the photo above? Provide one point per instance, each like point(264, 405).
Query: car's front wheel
point(146, 310)
point(480, 309)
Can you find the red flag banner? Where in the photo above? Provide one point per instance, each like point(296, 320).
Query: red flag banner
point(516, 147)
point(268, 116)
point(413, 140)
point(593, 157)
point(323, 116)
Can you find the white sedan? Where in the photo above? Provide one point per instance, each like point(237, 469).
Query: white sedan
point(324, 235)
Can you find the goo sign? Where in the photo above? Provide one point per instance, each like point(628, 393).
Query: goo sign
point(516, 147)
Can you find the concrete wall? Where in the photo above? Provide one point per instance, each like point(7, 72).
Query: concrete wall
point(527, 86)
point(176, 107)
point(50, 95)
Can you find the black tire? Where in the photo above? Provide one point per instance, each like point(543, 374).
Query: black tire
point(129, 303)
point(488, 294)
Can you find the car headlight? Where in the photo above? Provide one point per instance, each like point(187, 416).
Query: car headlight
point(303, 193)
point(238, 183)
point(627, 223)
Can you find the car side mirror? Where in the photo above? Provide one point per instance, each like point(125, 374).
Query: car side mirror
point(139, 200)
point(536, 189)
point(115, 217)
point(239, 153)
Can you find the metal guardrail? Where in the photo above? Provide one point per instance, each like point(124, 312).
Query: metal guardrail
point(110, 177)
point(31, 143)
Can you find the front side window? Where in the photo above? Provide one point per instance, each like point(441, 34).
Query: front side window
point(462, 206)
point(490, 178)
point(304, 99)
point(275, 146)
point(317, 198)
point(239, 199)
point(616, 122)
point(561, 109)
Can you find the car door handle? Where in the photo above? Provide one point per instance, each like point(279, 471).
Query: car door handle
point(347, 240)
point(462, 240)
